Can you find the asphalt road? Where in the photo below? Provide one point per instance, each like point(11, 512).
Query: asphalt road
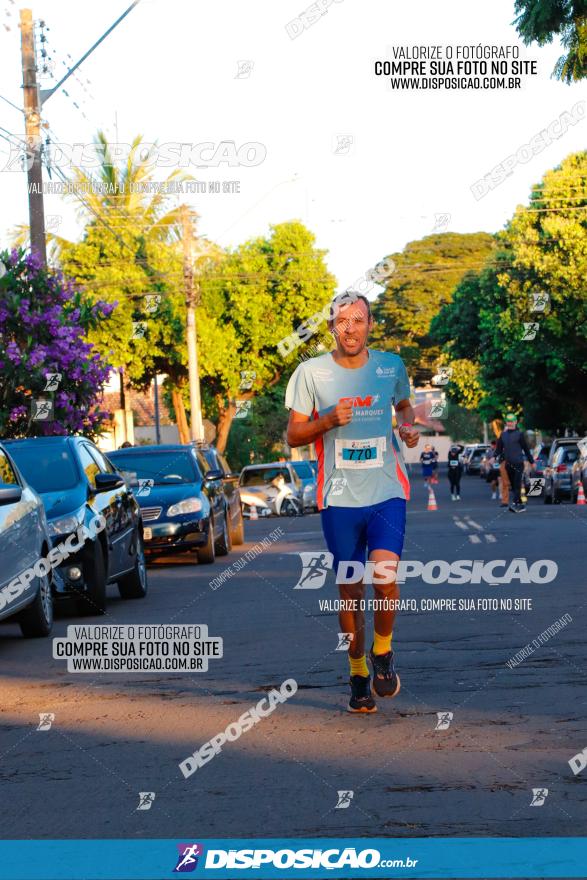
point(512, 730)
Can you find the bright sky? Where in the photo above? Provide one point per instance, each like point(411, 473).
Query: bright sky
point(169, 71)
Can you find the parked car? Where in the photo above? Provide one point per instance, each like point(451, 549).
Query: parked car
point(24, 539)
point(473, 458)
point(256, 479)
point(77, 483)
point(211, 460)
point(306, 474)
point(558, 479)
point(540, 455)
point(183, 509)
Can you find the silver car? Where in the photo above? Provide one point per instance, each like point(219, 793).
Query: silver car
point(24, 540)
point(306, 474)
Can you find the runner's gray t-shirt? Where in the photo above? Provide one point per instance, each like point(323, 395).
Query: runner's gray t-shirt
point(361, 463)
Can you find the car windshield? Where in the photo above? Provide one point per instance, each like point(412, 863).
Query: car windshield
point(303, 470)
point(571, 454)
point(164, 468)
point(46, 468)
point(262, 476)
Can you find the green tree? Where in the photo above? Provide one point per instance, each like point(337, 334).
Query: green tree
point(253, 297)
point(538, 21)
point(130, 254)
point(427, 271)
point(543, 250)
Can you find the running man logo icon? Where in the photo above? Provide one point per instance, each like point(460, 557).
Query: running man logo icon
point(530, 331)
point(247, 379)
point(146, 799)
point(539, 795)
point(189, 854)
point(344, 641)
point(52, 222)
point(444, 719)
point(145, 486)
point(443, 376)
point(243, 408)
point(344, 800)
point(42, 410)
point(438, 409)
point(139, 328)
point(53, 380)
point(46, 719)
point(539, 302)
point(441, 221)
point(314, 569)
point(152, 302)
point(244, 69)
point(337, 486)
point(536, 485)
point(343, 144)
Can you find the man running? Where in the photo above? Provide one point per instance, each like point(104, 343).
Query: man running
point(513, 449)
point(455, 471)
point(427, 460)
point(343, 403)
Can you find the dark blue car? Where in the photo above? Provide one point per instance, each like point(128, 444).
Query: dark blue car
point(90, 513)
point(183, 509)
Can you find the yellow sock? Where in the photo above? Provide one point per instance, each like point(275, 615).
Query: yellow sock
point(359, 665)
point(382, 644)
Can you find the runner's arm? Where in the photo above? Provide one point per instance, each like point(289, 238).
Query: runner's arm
point(405, 415)
point(302, 429)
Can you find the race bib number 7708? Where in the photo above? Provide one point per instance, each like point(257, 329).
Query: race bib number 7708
point(356, 454)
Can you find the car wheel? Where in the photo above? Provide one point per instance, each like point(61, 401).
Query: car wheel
point(134, 584)
point(207, 554)
point(224, 542)
point(93, 601)
point(238, 533)
point(36, 621)
point(289, 507)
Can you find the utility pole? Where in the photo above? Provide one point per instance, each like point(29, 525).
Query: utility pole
point(196, 426)
point(33, 101)
point(32, 116)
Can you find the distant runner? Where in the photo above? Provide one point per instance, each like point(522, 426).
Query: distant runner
point(428, 462)
point(513, 449)
point(455, 471)
point(343, 402)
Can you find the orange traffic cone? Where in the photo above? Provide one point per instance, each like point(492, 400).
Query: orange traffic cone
point(254, 514)
point(432, 500)
point(581, 494)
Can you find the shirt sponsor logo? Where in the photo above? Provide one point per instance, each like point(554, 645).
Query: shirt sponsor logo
point(369, 400)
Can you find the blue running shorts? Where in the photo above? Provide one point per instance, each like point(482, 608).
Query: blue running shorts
point(352, 531)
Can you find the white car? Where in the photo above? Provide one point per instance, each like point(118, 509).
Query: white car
point(24, 540)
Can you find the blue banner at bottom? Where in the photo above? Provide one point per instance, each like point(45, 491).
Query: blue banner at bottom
point(271, 858)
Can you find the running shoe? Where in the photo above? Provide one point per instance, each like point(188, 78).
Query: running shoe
point(454, 497)
point(494, 496)
point(458, 497)
point(361, 697)
point(386, 682)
